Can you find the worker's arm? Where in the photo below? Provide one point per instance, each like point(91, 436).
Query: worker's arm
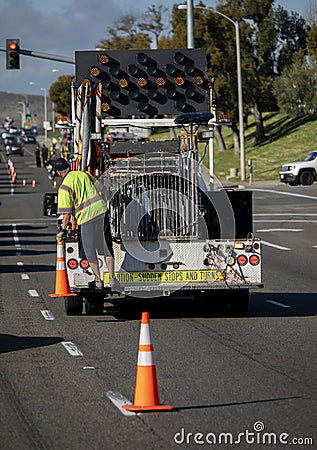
point(62, 231)
point(65, 221)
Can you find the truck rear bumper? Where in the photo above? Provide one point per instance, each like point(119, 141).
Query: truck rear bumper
point(164, 290)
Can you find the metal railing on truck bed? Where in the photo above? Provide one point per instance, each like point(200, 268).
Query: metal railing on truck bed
point(153, 194)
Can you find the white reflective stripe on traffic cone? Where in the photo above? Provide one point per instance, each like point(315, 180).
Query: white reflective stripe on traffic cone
point(145, 358)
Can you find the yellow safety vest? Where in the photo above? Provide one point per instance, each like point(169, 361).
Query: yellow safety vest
point(78, 195)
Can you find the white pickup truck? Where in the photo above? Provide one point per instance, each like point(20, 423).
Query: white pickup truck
point(300, 172)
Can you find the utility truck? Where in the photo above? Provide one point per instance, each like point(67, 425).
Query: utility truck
point(176, 231)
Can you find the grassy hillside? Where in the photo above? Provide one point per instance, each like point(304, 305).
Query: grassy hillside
point(287, 140)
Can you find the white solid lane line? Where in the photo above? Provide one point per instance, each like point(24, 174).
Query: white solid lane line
point(269, 230)
point(285, 220)
point(285, 214)
point(291, 194)
point(279, 247)
point(281, 305)
point(72, 349)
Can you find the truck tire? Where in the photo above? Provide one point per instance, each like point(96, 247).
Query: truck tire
point(237, 302)
point(73, 306)
point(94, 307)
point(306, 178)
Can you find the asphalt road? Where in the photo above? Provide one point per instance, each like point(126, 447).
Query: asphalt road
point(246, 382)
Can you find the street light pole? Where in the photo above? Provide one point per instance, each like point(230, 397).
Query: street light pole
point(23, 114)
point(53, 105)
point(239, 79)
point(190, 24)
point(45, 114)
point(240, 103)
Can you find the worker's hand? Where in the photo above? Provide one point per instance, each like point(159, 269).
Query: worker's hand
point(61, 235)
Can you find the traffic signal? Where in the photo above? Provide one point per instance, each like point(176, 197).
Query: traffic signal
point(148, 82)
point(13, 53)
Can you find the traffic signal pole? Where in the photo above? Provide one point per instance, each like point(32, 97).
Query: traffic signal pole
point(35, 54)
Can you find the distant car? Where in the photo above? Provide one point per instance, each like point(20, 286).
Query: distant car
point(14, 130)
point(9, 138)
point(28, 137)
point(5, 134)
point(300, 172)
point(14, 148)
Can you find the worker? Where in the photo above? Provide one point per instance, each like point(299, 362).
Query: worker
point(78, 195)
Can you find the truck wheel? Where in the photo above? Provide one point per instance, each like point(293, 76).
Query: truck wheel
point(73, 306)
point(94, 307)
point(237, 302)
point(306, 178)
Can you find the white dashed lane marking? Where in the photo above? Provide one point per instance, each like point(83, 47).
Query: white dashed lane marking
point(72, 349)
point(24, 276)
point(33, 293)
point(119, 400)
point(47, 314)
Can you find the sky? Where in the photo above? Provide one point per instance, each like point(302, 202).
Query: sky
point(61, 27)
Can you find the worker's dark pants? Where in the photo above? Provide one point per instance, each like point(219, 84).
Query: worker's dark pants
point(94, 236)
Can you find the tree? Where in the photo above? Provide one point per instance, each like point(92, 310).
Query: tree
point(276, 37)
point(60, 94)
point(126, 36)
point(153, 22)
point(312, 32)
point(296, 88)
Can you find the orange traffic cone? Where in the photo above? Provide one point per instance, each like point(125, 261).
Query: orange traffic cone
point(14, 178)
point(24, 182)
point(61, 280)
point(33, 183)
point(55, 184)
point(146, 395)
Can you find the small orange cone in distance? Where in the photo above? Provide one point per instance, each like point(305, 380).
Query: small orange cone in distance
point(55, 184)
point(61, 280)
point(33, 183)
point(24, 182)
point(146, 395)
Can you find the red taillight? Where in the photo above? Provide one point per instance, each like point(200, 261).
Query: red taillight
point(84, 264)
point(151, 266)
point(70, 250)
point(256, 246)
point(72, 263)
point(176, 265)
point(254, 260)
point(163, 266)
point(242, 260)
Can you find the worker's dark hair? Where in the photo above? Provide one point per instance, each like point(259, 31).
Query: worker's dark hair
point(61, 164)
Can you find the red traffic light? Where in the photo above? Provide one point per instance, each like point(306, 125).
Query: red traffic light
point(13, 45)
point(13, 54)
